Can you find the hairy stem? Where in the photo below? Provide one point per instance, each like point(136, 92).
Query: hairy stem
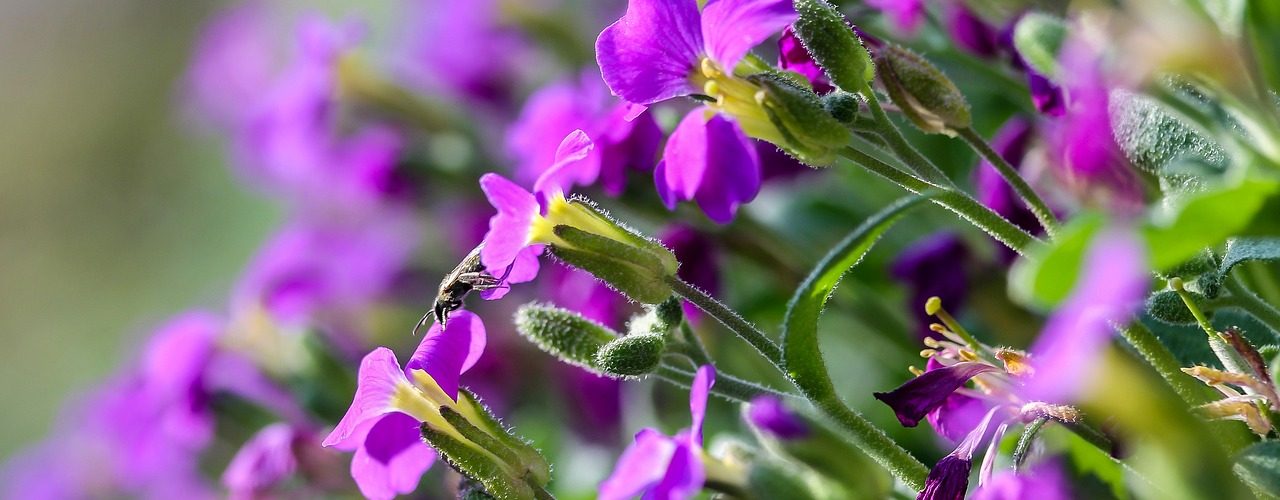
point(903, 149)
point(1037, 205)
point(1159, 357)
point(730, 319)
point(726, 386)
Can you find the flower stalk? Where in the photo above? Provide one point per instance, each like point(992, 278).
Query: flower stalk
point(1036, 204)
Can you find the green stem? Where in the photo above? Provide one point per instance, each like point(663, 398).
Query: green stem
point(966, 207)
point(730, 319)
point(874, 442)
point(903, 149)
point(726, 386)
point(1250, 302)
point(1024, 442)
point(1010, 175)
point(1159, 357)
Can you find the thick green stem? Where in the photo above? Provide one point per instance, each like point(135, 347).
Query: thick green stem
point(1010, 175)
point(874, 442)
point(730, 319)
point(966, 207)
point(1250, 302)
point(1159, 357)
point(903, 149)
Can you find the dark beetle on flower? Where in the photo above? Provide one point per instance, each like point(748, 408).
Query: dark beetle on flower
point(468, 276)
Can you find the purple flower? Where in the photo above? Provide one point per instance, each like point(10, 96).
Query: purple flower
point(957, 415)
point(934, 266)
point(949, 478)
point(970, 32)
point(708, 159)
point(264, 461)
point(793, 56)
point(770, 414)
point(918, 397)
point(382, 425)
point(233, 62)
point(596, 402)
point(622, 142)
point(1111, 287)
point(1045, 95)
point(906, 15)
point(1011, 143)
point(699, 262)
point(1044, 481)
point(661, 466)
point(461, 48)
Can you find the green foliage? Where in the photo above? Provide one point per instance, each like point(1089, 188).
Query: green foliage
point(1038, 38)
point(1259, 467)
point(635, 273)
point(1167, 307)
point(833, 45)
point(1156, 141)
point(1263, 21)
point(1047, 274)
point(1203, 220)
point(1240, 250)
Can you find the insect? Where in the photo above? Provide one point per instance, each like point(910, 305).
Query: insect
point(470, 275)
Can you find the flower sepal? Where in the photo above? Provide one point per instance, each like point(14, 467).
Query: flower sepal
point(808, 131)
point(635, 273)
point(482, 466)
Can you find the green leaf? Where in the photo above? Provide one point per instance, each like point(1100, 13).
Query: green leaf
point(1263, 22)
point(1248, 249)
point(1038, 38)
point(1259, 467)
point(1045, 276)
point(1203, 220)
point(1156, 141)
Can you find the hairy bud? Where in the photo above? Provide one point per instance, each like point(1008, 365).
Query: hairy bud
point(834, 45)
point(808, 132)
point(631, 356)
point(1167, 307)
point(563, 333)
point(926, 96)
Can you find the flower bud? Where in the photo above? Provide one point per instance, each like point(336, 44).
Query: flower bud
point(563, 334)
point(631, 356)
point(843, 106)
point(834, 45)
point(1167, 307)
point(809, 133)
point(1038, 37)
point(926, 96)
point(658, 320)
point(585, 237)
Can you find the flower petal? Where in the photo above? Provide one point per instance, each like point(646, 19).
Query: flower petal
point(571, 168)
point(921, 395)
point(709, 160)
point(684, 475)
point(642, 464)
point(264, 461)
point(648, 55)
point(524, 269)
point(446, 353)
point(702, 382)
point(771, 414)
point(375, 385)
point(732, 27)
point(509, 229)
point(392, 459)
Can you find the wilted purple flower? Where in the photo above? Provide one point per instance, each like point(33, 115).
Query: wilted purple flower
point(793, 56)
point(957, 415)
point(622, 142)
point(770, 414)
point(1044, 481)
point(905, 15)
point(660, 466)
point(934, 267)
point(1111, 287)
point(382, 425)
point(921, 395)
point(708, 159)
point(949, 478)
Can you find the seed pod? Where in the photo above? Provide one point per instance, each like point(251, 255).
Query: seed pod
point(631, 356)
point(924, 94)
point(834, 45)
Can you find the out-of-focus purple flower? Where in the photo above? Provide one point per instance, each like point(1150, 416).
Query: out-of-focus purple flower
point(905, 15)
point(970, 32)
point(622, 143)
point(772, 415)
point(1045, 95)
point(934, 267)
point(660, 466)
point(233, 62)
point(596, 403)
point(464, 49)
point(699, 262)
point(776, 164)
point(918, 397)
point(313, 270)
point(1111, 287)
point(264, 461)
point(793, 56)
point(709, 160)
point(957, 415)
point(949, 478)
point(1044, 481)
point(382, 427)
point(1088, 158)
point(1011, 143)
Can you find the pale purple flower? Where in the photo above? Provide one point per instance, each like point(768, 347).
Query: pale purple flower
point(708, 159)
point(919, 396)
point(233, 61)
point(935, 266)
point(903, 15)
point(390, 456)
point(660, 466)
point(265, 460)
point(771, 414)
point(1044, 481)
point(1113, 282)
point(949, 478)
point(699, 262)
point(623, 142)
point(464, 49)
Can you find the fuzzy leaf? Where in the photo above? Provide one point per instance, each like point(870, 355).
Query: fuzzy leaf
point(1259, 467)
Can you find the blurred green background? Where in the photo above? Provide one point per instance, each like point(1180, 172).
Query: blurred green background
point(114, 211)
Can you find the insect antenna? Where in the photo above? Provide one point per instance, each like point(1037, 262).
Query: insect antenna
point(422, 321)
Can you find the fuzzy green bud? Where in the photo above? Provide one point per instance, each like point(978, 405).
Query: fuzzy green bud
point(657, 320)
point(924, 94)
point(808, 132)
point(631, 356)
point(834, 45)
point(1038, 37)
point(585, 237)
point(564, 334)
point(1167, 307)
point(843, 106)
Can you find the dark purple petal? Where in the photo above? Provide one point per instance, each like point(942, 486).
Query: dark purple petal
point(509, 229)
point(732, 27)
point(626, 144)
point(776, 164)
point(699, 262)
point(793, 56)
point(770, 414)
point(1045, 95)
point(264, 461)
point(1011, 143)
point(649, 54)
point(970, 32)
point(376, 384)
point(446, 353)
point(925, 393)
point(1044, 481)
point(641, 465)
point(698, 392)
point(1113, 282)
point(708, 159)
point(596, 403)
point(392, 459)
point(948, 480)
point(934, 267)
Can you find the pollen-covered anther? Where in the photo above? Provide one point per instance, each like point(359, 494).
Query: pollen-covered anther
point(710, 69)
point(968, 355)
point(932, 342)
point(1037, 409)
point(1015, 362)
point(928, 353)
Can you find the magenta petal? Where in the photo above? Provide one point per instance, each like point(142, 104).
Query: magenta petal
point(684, 475)
point(648, 55)
point(702, 382)
point(641, 465)
point(921, 395)
point(769, 413)
point(392, 459)
point(732, 27)
point(524, 269)
point(446, 353)
point(709, 160)
point(509, 229)
point(571, 168)
point(1044, 481)
point(375, 385)
point(265, 460)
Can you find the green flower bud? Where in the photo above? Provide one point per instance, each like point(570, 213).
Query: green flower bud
point(631, 356)
point(1167, 307)
point(808, 132)
point(670, 313)
point(1038, 38)
point(834, 45)
point(843, 106)
point(563, 333)
point(926, 96)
